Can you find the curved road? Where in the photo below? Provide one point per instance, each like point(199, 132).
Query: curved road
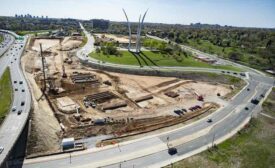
point(152, 151)
point(14, 122)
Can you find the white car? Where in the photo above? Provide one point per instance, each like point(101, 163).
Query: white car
point(13, 108)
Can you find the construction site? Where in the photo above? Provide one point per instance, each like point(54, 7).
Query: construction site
point(71, 100)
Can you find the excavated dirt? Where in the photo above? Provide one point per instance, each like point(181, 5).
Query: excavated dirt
point(46, 131)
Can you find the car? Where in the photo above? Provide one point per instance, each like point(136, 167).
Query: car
point(242, 74)
point(172, 151)
point(235, 73)
point(209, 120)
point(23, 90)
point(16, 89)
point(178, 111)
point(19, 112)
point(1, 149)
point(255, 101)
point(93, 104)
point(248, 89)
point(14, 81)
point(223, 71)
point(263, 95)
point(22, 103)
point(21, 82)
point(246, 108)
point(13, 108)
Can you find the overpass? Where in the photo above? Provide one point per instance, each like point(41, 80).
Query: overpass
point(14, 123)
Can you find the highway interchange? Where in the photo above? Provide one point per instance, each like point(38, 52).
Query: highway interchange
point(150, 151)
point(14, 122)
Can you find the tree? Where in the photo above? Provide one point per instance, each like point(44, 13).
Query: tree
point(270, 53)
point(234, 56)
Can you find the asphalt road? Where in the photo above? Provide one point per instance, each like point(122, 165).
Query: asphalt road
point(14, 123)
point(152, 151)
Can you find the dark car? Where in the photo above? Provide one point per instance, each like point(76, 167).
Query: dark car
point(172, 151)
point(21, 82)
point(23, 90)
point(255, 101)
point(19, 112)
point(242, 74)
point(246, 108)
point(209, 120)
point(178, 111)
point(16, 89)
point(22, 103)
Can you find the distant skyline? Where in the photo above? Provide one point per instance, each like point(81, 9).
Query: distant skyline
point(241, 13)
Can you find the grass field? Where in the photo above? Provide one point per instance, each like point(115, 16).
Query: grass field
point(149, 58)
point(5, 94)
point(1, 38)
point(22, 33)
point(84, 41)
point(253, 147)
point(246, 58)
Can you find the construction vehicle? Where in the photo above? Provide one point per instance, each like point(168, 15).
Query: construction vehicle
point(199, 97)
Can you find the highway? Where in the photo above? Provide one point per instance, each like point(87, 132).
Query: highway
point(152, 151)
point(14, 122)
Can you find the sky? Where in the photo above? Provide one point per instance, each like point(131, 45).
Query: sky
point(243, 13)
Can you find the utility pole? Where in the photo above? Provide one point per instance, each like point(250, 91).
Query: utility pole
point(213, 140)
point(43, 69)
point(118, 147)
point(168, 142)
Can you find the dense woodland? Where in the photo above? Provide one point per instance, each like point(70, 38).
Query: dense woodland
point(255, 47)
point(251, 46)
point(33, 24)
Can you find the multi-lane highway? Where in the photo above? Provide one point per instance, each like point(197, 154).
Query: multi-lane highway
point(152, 151)
point(16, 119)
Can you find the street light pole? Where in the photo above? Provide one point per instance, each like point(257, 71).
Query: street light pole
point(213, 140)
point(70, 158)
point(167, 142)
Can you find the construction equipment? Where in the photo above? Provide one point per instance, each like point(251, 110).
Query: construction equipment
point(77, 115)
point(43, 68)
point(64, 75)
point(199, 97)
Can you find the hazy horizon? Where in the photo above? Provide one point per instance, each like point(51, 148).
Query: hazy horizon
point(251, 13)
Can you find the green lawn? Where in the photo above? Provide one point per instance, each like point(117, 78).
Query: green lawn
point(5, 94)
point(84, 41)
point(253, 147)
point(1, 38)
point(150, 58)
point(246, 58)
point(22, 33)
point(269, 104)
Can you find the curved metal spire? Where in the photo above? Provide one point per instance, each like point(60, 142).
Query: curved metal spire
point(140, 28)
point(138, 34)
point(129, 28)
